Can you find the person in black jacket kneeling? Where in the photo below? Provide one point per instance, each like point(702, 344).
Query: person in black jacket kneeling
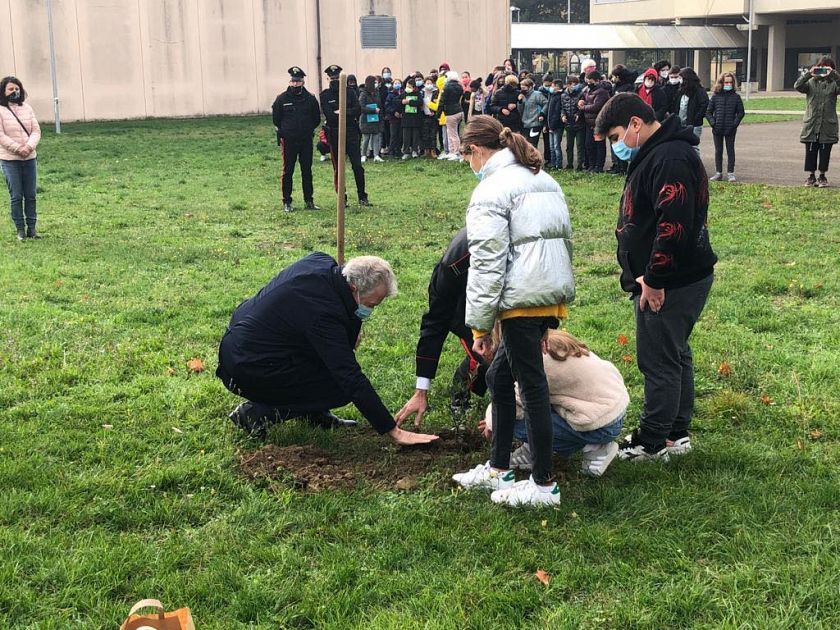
point(667, 264)
point(290, 349)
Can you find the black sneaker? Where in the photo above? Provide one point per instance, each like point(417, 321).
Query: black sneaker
point(328, 420)
point(812, 181)
point(244, 418)
point(364, 202)
point(287, 207)
point(631, 448)
point(21, 234)
point(310, 205)
point(822, 182)
point(31, 232)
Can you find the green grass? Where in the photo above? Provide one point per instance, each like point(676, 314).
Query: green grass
point(153, 233)
point(796, 102)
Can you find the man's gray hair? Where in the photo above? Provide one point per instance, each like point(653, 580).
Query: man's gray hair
point(366, 273)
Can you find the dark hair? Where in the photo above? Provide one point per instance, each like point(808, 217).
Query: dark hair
point(370, 83)
point(661, 64)
point(620, 109)
point(487, 132)
point(352, 80)
point(475, 84)
point(618, 70)
point(595, 75)
point(690, 83)
point(572, 79)
point(822, 61)
point(557, 82)
point(386, 68)
point(512, 64)
point(674, 70)
point(4, 100)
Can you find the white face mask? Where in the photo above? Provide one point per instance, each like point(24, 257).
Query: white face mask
point(649, 84)
point(675, 80)
point(664, 73)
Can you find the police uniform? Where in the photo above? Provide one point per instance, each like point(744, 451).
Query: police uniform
point(296, 115)
point(329, 105)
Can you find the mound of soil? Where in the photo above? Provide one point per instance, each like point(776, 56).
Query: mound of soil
point(359, 460)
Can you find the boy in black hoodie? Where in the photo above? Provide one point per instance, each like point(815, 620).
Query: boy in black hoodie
point(667, 264)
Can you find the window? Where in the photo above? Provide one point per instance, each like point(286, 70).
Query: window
point(379, 31)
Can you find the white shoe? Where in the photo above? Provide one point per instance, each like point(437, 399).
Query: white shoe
point(597, 458)
point(453, 157)
point(520, 459)
point(443, 156)
point(378, 159)
point(364, 159)
point(716, 177)
point(405, 156)
point(678, 447)
point(414, 154)
point(527, 493)
point(731, 177)
point(483, 476)
point(324, 158)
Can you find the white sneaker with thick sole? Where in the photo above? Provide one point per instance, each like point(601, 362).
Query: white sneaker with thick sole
point(443, 156)
point(678, 447)
point(596, 458)
point(364, 159)
point(453, 157)
point(731, 177)
point(520, 459)
point(528, 494)
point(378, 159)
point(716, 177)
point(324, 158)
point(414, 154)
point(483, 476)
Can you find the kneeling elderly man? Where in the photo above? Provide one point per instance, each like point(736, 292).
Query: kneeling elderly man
point(289, 350)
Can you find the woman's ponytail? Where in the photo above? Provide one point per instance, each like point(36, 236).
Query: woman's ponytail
point(486, 131)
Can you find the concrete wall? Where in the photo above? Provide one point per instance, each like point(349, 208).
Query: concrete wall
point(137, 58)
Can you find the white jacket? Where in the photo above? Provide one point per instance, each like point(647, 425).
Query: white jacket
point(519, 235)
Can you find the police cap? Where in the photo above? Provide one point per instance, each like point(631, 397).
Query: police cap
point(296, 73)
point(333, 71)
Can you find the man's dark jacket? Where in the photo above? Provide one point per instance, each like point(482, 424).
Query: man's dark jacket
point(329, 105)
point(450, 100)
point(447, 306)
point(296, 116)
point(296, 338)
point(502, 99)
point(661, 229)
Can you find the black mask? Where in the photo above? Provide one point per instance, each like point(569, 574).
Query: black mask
point(333, 84)
point(297, 89)
point(14, 97)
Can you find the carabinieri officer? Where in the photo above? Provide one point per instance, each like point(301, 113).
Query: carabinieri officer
point(296, 115)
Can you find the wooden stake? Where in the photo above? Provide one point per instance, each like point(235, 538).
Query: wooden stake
point(342, 155)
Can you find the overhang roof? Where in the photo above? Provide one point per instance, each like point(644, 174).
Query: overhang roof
point(530, 36)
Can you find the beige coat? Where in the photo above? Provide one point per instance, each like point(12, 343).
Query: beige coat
point(12, 135)
point(587, 392)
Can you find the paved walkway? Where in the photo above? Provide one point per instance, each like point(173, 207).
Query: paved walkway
point(768, 153)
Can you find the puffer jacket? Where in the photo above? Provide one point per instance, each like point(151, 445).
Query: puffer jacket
point(519, 234)
point(533, 109)
point(725, 112)
point(450, 100)
point(569, 102)
point(594, 98)
point(820, 121)
point(12, 134)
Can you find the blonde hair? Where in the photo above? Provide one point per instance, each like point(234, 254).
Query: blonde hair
point(562, 345)
point(511, 79)
point(719, 85)
point(487, 132)
point(527, 83)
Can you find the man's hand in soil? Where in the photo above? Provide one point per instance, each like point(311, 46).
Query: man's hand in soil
point(407, 438)
point(417, 404)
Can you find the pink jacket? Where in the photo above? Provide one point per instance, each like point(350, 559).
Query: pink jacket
point(12, 135)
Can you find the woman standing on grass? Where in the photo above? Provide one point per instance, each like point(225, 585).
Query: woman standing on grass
point(519, 236)
point(819, 128)
point(19, 136)
point(725, 113)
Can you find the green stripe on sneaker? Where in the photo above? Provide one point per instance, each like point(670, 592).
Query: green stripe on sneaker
point(509, 476)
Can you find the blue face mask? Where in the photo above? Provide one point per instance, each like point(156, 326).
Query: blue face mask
point(623, 152)
point(728, 88)
point(363, 312)
point(386, 75)
point(418, 82)
point(397, 86)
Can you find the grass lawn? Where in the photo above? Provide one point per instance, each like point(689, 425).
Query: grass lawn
point(120, 473)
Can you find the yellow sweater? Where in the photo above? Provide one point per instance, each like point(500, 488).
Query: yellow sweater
point(560, 311)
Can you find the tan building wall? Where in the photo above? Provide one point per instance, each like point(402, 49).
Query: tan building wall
point(138, 58)
point(664, 11)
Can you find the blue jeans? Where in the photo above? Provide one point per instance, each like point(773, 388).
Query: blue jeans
point(567, 440)
point(20, 178)
point(556, 153)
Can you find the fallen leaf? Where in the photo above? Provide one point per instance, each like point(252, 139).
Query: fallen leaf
point(767, 205)
point(800, 444)
point(724, 369)
point(177, 430)
point(573, 514)
point(544, 523)
point(815, 434)
point(171, 371)
point(766, 400)
point(627, 358)
point(622, 340)
point(107, 426)
point(406, 483)
point(85, 297)
point(195, 365)
point(542, 576)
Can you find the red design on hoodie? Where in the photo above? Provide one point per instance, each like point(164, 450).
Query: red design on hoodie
point(671, 193)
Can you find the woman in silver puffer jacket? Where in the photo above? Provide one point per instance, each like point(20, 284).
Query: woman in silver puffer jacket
point(519, 235)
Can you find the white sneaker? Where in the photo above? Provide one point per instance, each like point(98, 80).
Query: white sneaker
point(731, 177)
point(597, 458)
point(716, 177)
point(520, 459)
point(678, 447)
point(483, 476)
point(414, 154)
point(453, 157)
point(378, 159)
point(443, 156)
point(324, 158)
point(405, 156)
point(364, 159)
point(527, 493)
